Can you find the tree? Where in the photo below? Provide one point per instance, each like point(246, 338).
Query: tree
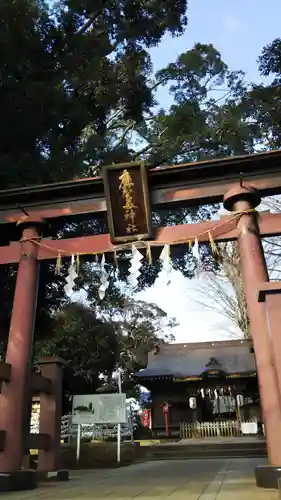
point(79, 77)
point(263, 101)
point(217, 113)
point(138, 325)
point(222, 291)
point(141, 327)
point(206, 118)
point(68, 71)
point(88, 345)
point(95, 344)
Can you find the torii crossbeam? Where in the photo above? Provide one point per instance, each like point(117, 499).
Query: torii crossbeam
point(127, 193)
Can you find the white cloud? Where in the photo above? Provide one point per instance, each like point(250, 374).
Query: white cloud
point(233, 25)
point(180, 299)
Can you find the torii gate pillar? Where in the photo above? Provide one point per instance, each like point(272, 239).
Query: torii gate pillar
point(255, 275)
point(13, 398)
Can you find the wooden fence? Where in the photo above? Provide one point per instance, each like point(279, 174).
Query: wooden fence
point(189, 430)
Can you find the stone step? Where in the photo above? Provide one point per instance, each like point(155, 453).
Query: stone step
point(212, 452)
point(215, 446)
point(206, 457)
point(208, 450)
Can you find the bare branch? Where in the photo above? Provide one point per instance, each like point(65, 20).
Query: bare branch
point(224, 291)
point(123, 136)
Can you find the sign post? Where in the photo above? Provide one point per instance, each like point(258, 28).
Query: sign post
point(131, 424)
point(119, 425)
point(107, 409)
point(78, 444)
point(100, 409)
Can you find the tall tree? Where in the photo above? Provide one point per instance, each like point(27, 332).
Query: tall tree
point(206, 118)
point(68, 69)
point(138, 325)
point(222, 290)
point(94, 341)
point(77, 88)
point(264, 100)
point(143, 327)
point(88, 345)
point(65, 70)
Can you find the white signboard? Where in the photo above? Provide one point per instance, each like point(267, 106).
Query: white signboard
point(99, 409)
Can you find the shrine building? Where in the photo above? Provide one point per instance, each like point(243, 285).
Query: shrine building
point(201, 382)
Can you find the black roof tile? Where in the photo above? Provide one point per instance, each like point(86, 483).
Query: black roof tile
point(193, 359)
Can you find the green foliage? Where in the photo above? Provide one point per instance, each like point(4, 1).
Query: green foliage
point(138, 325)
point(77, 91)
point(88, 344)
point(96, 340)
point(270, 59)
point(263, 101)
point(142, 326)
point(206, 118)
point(65, 71)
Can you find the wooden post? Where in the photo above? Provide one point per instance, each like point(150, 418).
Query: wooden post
point(15, 394)
point(165, 409)
point(270, 295)
point(51, 413)
point(244, 199)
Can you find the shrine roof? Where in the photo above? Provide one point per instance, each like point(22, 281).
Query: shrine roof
point(181, 361)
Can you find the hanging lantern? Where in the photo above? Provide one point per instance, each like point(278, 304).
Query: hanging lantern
point(240, 400)
point(192, 403)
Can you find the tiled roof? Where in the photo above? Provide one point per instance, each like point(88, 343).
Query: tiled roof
point(187, 360)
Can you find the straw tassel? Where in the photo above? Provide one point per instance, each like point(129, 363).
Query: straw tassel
point(58, 264)
point(148, 254)
point(115, 259)
point(116, 267)
point(212, 243)
point(196, 255)
point(77, 263)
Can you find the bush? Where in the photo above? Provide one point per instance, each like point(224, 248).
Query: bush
point(100, 455)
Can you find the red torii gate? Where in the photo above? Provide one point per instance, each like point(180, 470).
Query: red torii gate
point(129, 218)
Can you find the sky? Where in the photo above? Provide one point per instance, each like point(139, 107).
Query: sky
point(239, 30)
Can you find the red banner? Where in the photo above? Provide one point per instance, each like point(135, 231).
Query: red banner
point(146, 418)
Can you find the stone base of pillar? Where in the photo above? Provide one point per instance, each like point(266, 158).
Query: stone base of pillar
point(18, 481)
point(58, 475)
point(267, 476)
